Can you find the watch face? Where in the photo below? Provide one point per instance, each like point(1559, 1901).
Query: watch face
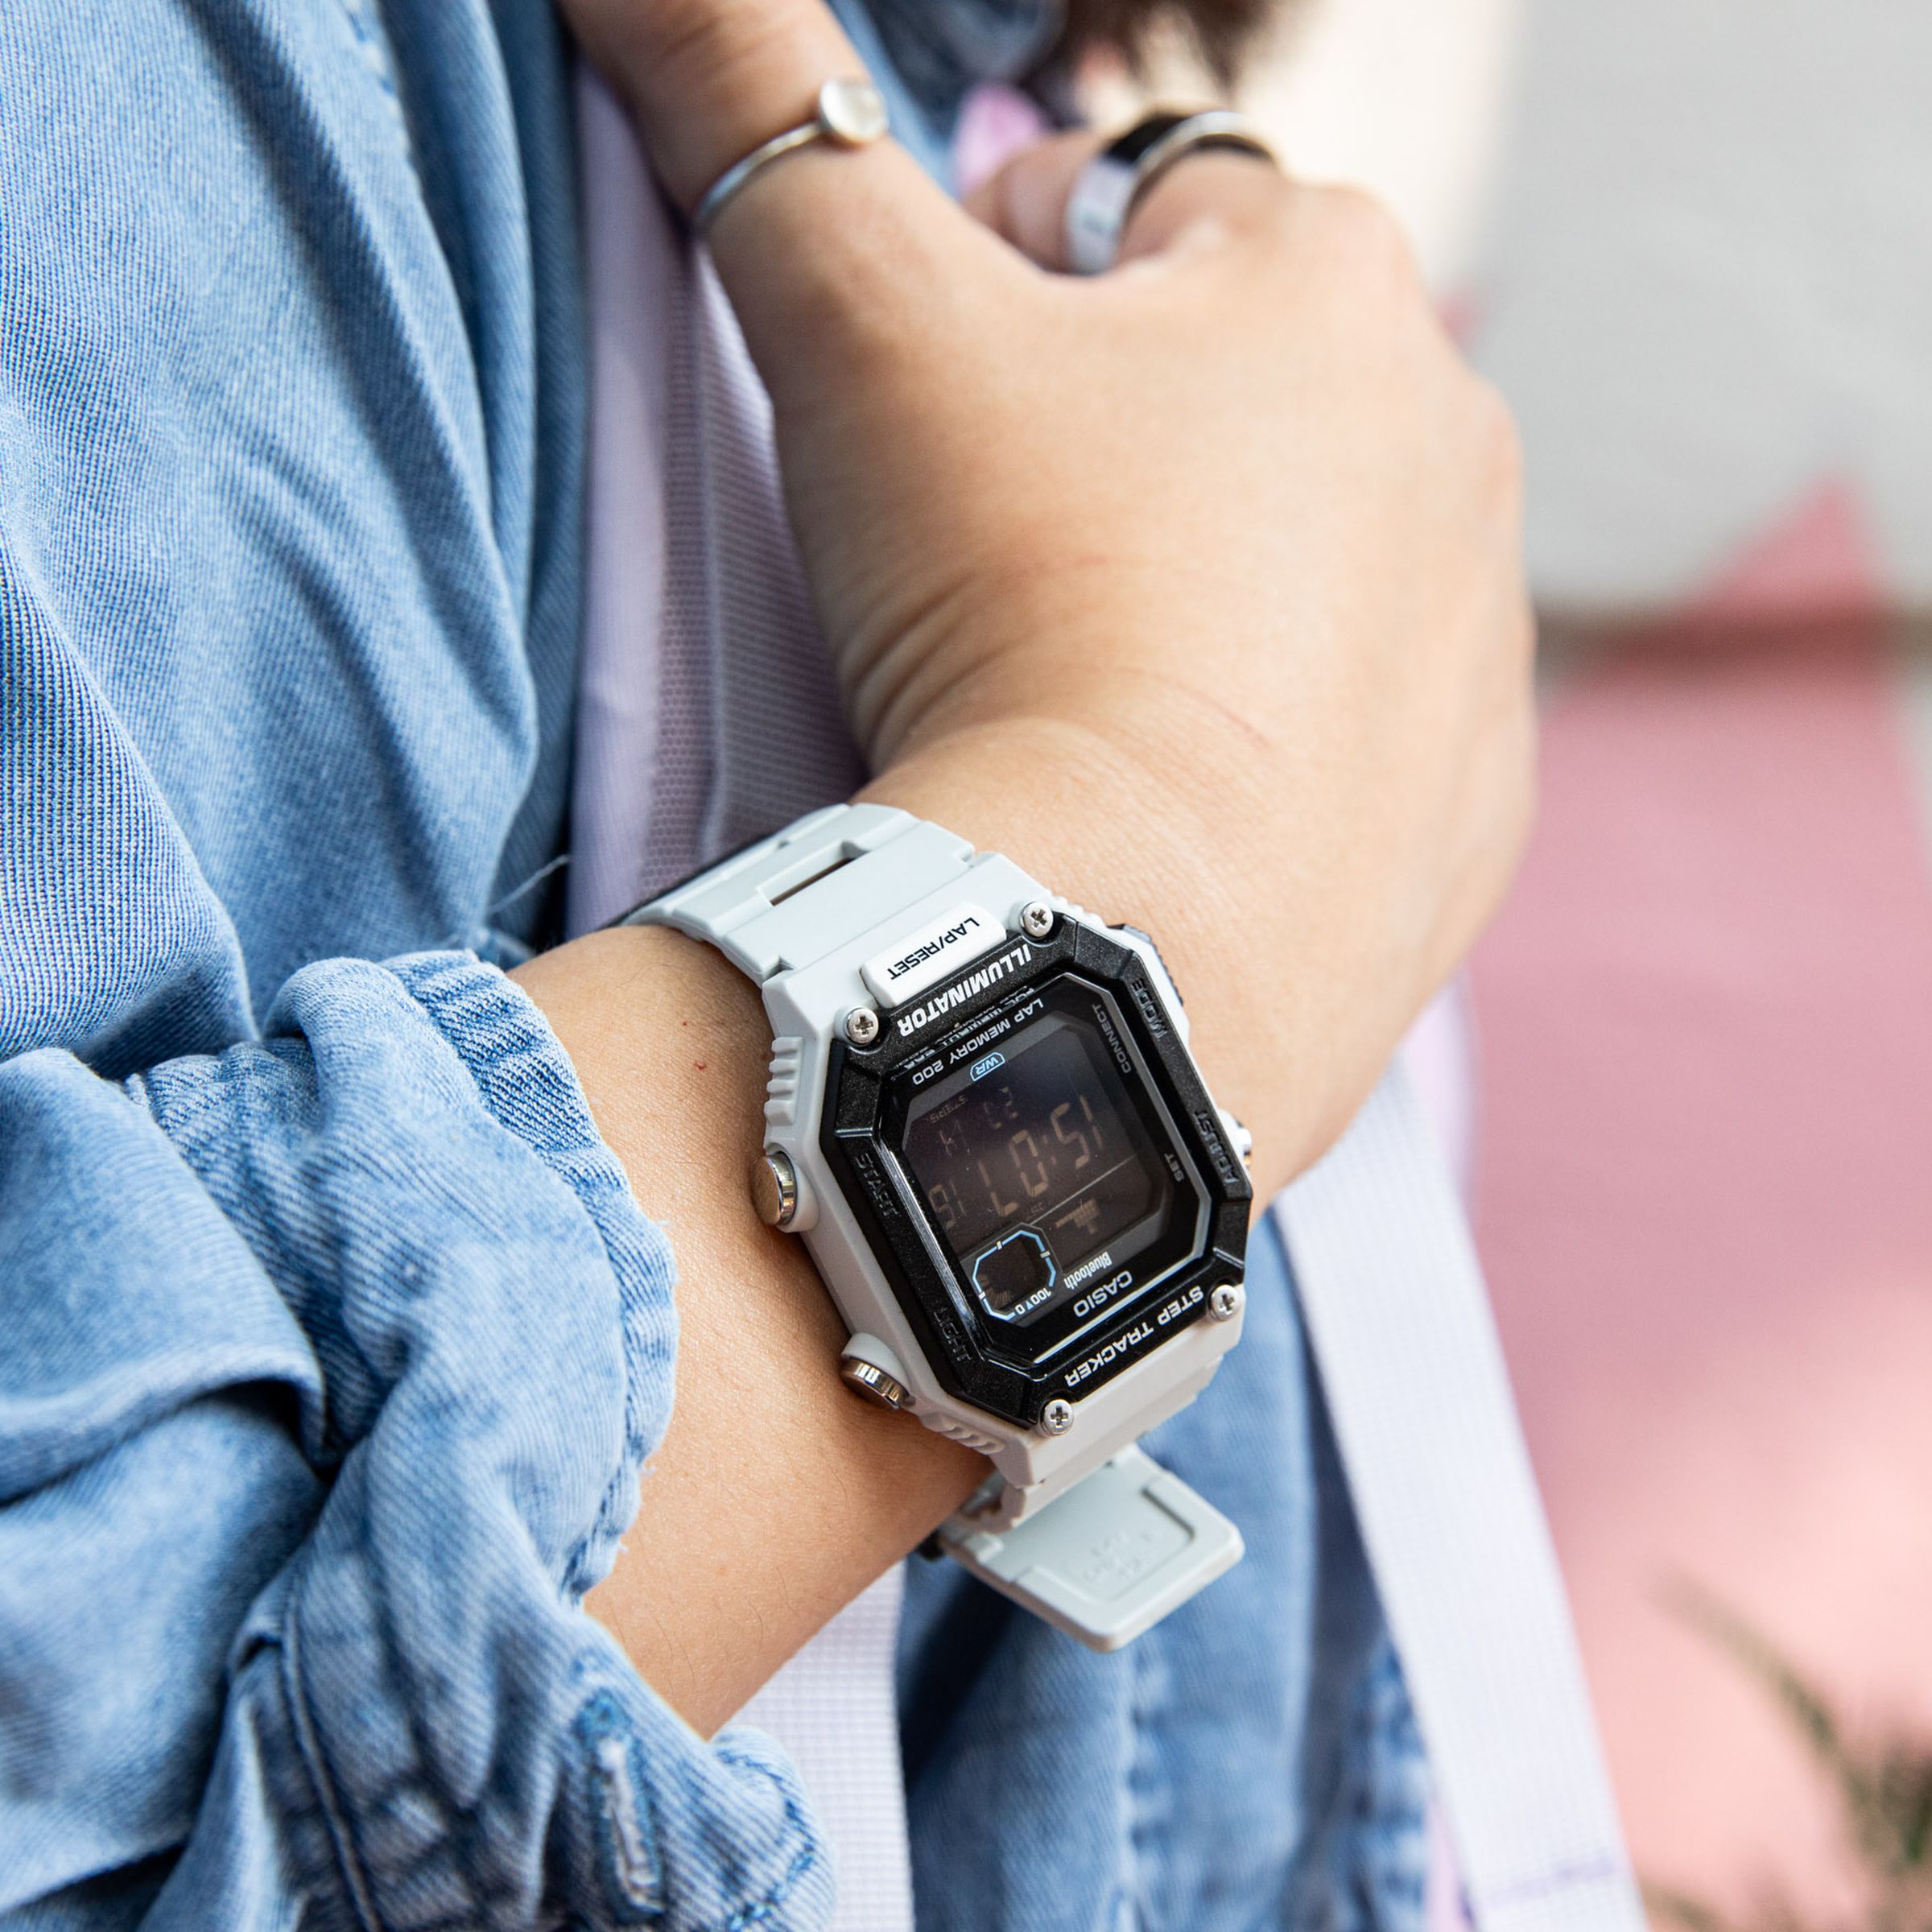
point(1036, 1169)
point(1049, 1169)
point(1039, 1170)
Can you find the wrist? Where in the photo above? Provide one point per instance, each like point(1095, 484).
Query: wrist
point(1095, 820)
point(766, 1449)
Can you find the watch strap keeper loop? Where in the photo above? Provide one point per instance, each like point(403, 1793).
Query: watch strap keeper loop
point(1109, 1557)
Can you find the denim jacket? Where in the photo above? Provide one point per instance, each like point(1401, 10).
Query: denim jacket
point(333, 1340)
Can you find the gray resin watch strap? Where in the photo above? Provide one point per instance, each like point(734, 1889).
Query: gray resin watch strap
point(792, 897)
point(1110, 1558)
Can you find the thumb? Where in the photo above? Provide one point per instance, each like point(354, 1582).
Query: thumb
point(1025, 202)
point(825, 249)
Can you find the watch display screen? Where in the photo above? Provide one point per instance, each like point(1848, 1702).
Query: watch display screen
point(1037, 1171)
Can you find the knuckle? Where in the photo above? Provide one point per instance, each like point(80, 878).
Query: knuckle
point(1365, 234)
point(1499, 440)
point(692, 38)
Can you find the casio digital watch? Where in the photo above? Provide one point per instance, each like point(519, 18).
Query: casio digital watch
point(983, 1119)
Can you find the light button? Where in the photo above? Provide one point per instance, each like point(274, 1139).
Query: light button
point(870, 1380)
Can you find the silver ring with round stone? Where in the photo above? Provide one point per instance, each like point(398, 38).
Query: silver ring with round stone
point(851, 113)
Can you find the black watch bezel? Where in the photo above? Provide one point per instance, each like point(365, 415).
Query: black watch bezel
point(865, 1089)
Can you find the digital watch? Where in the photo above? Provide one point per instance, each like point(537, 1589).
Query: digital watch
point(983, 1118)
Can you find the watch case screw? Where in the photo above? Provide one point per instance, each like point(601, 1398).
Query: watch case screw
point(1224, 1304)
point(862, 1026)
point(1056, 1418)
point(775, 1188)
point(1036, 919)
point(868, 1379)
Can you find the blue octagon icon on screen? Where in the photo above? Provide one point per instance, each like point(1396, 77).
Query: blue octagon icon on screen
point(1015, 1274)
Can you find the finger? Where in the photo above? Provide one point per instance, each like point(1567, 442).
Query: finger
point(1026, 202)
point(709, 79)
point(1212, 190)
point(822, 250)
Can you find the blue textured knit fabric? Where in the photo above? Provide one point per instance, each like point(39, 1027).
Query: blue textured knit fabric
point(332, 1339)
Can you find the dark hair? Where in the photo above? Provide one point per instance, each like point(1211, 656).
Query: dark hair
point(1222, 30)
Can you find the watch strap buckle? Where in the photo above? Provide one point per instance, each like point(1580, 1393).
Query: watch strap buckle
point(1110, 1558)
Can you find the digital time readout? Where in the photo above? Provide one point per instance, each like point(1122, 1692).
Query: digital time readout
point(1035, 1168)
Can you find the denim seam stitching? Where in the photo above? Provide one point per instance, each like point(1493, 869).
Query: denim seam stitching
point(1308, 1910)
point(348, 1860)
point(1139, 1706)
point(1376, 1813)
point(803, 1860)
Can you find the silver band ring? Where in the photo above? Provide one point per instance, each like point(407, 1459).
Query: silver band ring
point(851, 113)
point(1107, 189)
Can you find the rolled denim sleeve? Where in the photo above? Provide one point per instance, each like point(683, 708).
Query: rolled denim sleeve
point(331, 1364)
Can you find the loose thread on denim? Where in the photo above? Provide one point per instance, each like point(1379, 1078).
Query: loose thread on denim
point(529, 884)
point(633, 1866)
point(463, 939)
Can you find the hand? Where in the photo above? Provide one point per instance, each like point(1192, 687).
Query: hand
point(1196, 585)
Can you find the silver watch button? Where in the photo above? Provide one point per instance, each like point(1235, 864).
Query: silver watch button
point(867, 1379)
point(775, 1188)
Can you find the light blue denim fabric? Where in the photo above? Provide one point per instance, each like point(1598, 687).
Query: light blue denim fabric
point(332, 1339)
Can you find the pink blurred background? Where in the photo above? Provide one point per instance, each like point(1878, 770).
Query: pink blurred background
point(1703, 274)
